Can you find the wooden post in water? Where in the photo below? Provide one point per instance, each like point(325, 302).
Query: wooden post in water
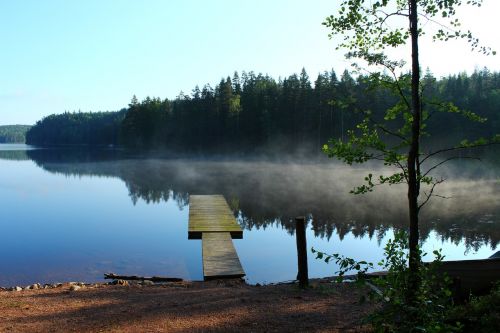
point(300, 234)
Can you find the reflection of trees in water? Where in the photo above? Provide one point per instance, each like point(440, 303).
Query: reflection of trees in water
point(267, 193)
point(156, 196)
point(323, 227)
point(471, 229)
point(14, 155)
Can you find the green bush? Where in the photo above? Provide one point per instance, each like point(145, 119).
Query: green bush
point(481, 314)
point(397, 313)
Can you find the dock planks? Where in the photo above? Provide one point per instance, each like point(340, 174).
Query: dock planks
point(211, 213)
point(212, 221)
point(220, 259)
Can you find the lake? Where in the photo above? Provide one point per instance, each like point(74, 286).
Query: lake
point(75, 214)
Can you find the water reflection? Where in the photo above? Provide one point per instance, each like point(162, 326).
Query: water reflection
point(264, 193)
point(13, 155)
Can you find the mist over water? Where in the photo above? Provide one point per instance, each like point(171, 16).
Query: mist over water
point(266, 195)
point(263, 192)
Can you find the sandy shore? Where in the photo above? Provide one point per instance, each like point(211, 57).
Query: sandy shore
point(215, 306)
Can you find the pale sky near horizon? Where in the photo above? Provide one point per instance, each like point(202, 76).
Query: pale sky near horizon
point(93, 55)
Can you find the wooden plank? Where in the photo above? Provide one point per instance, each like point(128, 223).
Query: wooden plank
point(211, 213)
point(211, 220)
point(220, 259)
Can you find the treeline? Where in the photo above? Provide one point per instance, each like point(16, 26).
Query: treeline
point(87, 128)
point(13, 133)
point(254, 111)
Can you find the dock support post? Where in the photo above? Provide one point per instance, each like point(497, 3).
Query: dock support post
point(300, 233)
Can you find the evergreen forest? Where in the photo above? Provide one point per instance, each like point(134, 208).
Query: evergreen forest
point(13, 133)
point(255, 112)
point(77, 128)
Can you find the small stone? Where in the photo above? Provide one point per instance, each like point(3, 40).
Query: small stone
point(120, 282)
point(17, 288)
point(147, 283)
point(75, 288)
point(35, 286)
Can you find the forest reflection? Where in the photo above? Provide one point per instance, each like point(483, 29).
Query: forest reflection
point(270, 192)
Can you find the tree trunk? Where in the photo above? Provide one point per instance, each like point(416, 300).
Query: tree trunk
point(413, 188)
point(300, 234)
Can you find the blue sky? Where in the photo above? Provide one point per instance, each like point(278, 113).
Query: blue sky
point(59, 55)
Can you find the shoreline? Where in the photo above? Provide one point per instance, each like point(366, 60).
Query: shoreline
point(148, 282)
point(188, 306)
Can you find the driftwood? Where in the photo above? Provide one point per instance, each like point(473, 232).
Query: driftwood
point(141, 278)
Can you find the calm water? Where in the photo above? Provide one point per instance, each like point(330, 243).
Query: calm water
point(69, 214)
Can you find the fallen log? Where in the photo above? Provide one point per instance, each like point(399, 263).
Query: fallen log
point(141, 278)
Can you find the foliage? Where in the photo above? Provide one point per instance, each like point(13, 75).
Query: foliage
point(256, 111)
point(140, 126)
point(13, 133)
point(367, 25)
point(84, 128)
point(252, 111)
point(433, 297)
point(368, 29)
point(481, 314)
point(346, 265)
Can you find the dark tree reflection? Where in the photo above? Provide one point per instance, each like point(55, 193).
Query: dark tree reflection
point(263, 193)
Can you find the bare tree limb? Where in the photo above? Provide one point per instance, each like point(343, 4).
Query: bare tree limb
point(428, 196)
point(440, 151)
point(447, 160)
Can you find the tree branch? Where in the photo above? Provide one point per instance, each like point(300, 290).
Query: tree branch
point(385, 130)
point(440, 151)
point(428, 196)
point(400, 90)
point(447, 160)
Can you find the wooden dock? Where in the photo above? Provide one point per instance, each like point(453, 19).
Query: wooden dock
point(220, 259)
point(212, 221)
point(211, 213)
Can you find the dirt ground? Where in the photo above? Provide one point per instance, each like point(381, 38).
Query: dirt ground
point(215, 306)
